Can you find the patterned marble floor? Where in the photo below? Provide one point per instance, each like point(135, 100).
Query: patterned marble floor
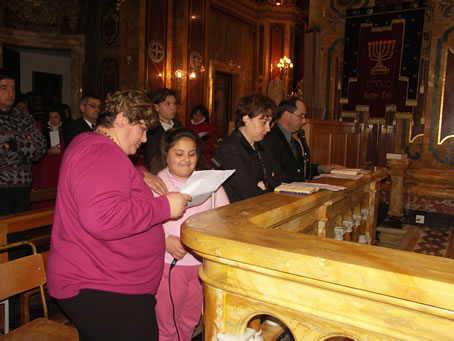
point(435, 241)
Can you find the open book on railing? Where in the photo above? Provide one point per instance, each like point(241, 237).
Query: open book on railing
point(296, 188)
point(346, 171)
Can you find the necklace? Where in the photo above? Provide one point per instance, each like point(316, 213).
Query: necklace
point(105, 134)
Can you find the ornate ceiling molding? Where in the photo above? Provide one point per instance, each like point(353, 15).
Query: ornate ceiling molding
point(252, 11)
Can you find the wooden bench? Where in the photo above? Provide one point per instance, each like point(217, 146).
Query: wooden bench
point(43, 198)
point(37, 227)
point(29, 222)
point(41, 195)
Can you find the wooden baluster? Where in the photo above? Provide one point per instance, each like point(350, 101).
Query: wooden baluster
point(338, 229)
point(356, 222)
point(348, 225)
point(364, 216)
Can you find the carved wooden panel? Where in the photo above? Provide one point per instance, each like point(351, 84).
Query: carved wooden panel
point(334, 142)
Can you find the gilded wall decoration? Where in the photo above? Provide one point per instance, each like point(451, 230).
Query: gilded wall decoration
point(195, 60)
point(441, 141)
point(446, 126)
point(54, 16)
point(110, 25)
point(445, 7)
point(336, 23)
point(156, 51)
point(340, 6)
point(109, 75)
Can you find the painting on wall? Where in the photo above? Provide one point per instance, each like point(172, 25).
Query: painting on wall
point(222, 100)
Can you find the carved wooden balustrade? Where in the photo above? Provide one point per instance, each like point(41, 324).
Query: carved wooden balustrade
point(257, 262)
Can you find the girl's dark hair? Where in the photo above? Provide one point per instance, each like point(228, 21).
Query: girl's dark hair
point(203, 110)
point(168, 140)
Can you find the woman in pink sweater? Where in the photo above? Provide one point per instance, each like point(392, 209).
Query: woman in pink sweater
point(179, 156)
point(107, 247)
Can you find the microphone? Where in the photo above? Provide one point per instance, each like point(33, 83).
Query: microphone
point(302, 136)
point(174, 262)
point(216, 163)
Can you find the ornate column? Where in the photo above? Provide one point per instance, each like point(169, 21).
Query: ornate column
point(397, 170)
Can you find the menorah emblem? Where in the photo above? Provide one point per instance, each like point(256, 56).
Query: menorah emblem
point(379, 51)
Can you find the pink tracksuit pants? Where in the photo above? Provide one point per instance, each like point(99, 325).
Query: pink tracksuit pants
point(187, 296)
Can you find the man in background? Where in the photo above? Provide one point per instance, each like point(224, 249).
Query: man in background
point(90, 106)
point(21, 143)
point(291, 157)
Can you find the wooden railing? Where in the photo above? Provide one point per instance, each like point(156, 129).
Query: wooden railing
point(319, 288)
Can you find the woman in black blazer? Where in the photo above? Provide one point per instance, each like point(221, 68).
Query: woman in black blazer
point(256, 172)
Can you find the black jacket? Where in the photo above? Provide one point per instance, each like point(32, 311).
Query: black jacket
point(251, 166)
point(74, 128)
point(276, 144)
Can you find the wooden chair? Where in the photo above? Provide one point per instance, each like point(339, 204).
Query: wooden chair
point(24, 274)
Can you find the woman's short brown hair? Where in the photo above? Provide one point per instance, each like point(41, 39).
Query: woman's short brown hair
point(133, 103)
point(254, 105)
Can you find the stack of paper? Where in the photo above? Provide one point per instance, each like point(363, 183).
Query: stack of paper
point(339, 176)
point(346, 171)
point(328, 187)
point(296, 188)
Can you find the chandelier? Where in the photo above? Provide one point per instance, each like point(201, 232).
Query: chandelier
point(284, 66)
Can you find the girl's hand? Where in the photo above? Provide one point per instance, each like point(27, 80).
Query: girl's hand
point(261, 185)
point(175, 248)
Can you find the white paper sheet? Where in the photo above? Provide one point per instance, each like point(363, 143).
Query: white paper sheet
point(54, 138)
point(201, 184)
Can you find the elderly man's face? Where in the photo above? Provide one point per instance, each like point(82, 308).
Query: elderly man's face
point(7, 93)
point(90, 111)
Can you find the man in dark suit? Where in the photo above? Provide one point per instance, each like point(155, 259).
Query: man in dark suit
point(293, 160)
point(90, 106)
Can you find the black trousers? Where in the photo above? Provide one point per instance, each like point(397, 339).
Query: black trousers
point(100, 315)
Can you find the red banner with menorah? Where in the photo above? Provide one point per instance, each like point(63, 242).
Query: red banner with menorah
point(378, 86)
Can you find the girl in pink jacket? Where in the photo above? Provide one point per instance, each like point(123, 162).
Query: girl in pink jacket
point(179, 156)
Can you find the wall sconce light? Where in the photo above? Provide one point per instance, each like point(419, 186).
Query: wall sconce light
point(180, 74)
point(284, 66)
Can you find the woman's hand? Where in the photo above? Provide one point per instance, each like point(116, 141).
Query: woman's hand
point(175, 248)
point(178, 203)
point(155, 183)
point(261, 185)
